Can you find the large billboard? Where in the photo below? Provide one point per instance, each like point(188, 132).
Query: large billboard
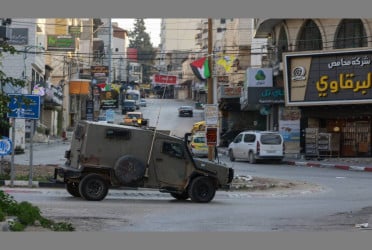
point(328, 78)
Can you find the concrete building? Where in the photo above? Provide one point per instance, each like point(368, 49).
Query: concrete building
point(27, 35)
point(323, 67)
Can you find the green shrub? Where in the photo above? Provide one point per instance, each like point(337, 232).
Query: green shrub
point(2, 215)
point(27, 214)
point(17, 226)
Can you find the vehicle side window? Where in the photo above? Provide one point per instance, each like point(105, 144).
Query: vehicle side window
point(238, 138)
point(249, 138)
point(271, 139)
point(173, 149)
point(119, 134)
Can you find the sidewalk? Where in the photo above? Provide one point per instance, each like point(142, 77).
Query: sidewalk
point(353, 164)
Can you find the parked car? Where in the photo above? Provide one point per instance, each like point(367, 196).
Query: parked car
point(257, 145)
point(198, 145)
point(185, 111)
point(143, 102)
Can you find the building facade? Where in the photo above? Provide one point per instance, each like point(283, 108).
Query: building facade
point(325, 68)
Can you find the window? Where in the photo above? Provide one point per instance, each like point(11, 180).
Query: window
point(282, 43)
point(238, 138)
point(173, 149)
point(350, 34)
point(271, 139)
point(249, 138)
point(310, 37)
point(118, 134)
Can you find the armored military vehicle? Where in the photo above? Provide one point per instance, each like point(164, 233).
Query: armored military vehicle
point(104, 156)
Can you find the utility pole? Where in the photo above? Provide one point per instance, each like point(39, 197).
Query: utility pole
point(211, 149)
point(109, 52)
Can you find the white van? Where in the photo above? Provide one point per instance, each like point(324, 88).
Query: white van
point(257, 145)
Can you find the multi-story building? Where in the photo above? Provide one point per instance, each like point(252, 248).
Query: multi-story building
point(55, 58)
point(177, 42)
point(27, 35)
point(324, 66)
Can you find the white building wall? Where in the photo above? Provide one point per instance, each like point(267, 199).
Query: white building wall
point(14, 65)
point(179, 33)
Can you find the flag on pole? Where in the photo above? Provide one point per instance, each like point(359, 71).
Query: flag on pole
point(200, 68)
point(227, 62)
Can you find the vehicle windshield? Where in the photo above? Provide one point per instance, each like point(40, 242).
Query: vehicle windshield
point(271, 139)
point(199, 140)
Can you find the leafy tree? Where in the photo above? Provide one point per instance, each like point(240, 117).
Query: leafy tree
point(5, 81)
point(140, 40)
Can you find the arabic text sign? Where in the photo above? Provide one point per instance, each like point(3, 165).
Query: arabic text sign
point(24, 106)
point(211, 114)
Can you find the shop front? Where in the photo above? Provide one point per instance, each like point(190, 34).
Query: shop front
point(349, 125)
point(334, 93)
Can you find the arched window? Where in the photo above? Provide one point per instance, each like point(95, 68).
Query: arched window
point(310, 37)
point(282, 43)
point(350, 34)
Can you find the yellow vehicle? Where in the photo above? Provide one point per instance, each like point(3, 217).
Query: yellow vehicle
point(198, 145)
point(198, 126)
point(135, 119)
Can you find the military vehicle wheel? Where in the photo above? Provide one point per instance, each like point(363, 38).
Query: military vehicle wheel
point(180, 196)
point(129, 169)
point(73, 189)
point(201, 189)
point(252, 159)
point(231, 155)
point(93, 187)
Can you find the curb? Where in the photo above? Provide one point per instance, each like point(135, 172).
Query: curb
point(330, 165)
point(35, 184)
point(319, 165)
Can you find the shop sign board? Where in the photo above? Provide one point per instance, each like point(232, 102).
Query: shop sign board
point(211, 136)
point(328, 78)
point(165, 79)
point(61, 42)
point(211, 114)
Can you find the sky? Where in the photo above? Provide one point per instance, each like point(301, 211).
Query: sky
point(152, 27)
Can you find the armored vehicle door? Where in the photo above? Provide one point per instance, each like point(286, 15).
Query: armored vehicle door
point(170, 161)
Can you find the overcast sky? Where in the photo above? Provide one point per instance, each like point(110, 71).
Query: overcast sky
point(152, 27)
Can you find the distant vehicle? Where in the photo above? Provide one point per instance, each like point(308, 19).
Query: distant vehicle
point(198, 126)
point(127, 106)
point(185, 111)
point(257, 145)
point(133, 94)
point(198, 145)
point(104, 156)
point(143, 102)
point(135, 118)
